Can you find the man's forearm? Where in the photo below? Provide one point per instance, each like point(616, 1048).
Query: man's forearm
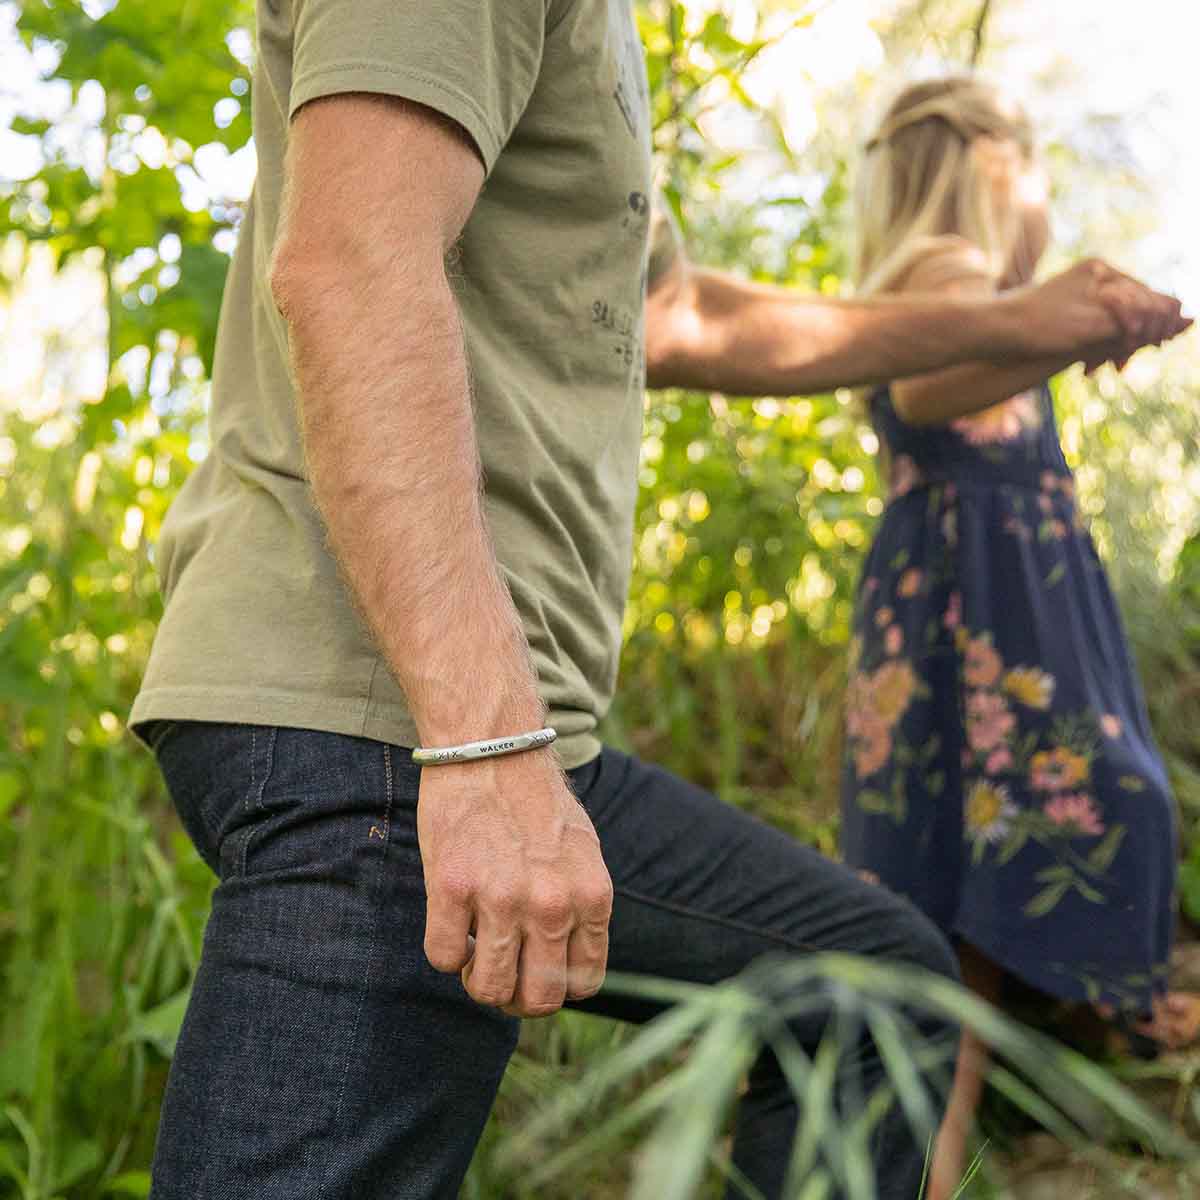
point(390, 444)
point(754, 339)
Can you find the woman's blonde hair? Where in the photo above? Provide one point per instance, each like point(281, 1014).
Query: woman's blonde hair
point(947, 159)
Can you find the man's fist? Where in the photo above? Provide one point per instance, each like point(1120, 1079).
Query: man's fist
point(519, 897)
point(1094, 312)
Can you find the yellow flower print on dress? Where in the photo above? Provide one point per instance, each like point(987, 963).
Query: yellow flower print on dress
point(854, 653)
point(989, 811)
point(875, 702)
point(892, 688)
point(1057, 769)
point(981, 664)
point(1030, 686)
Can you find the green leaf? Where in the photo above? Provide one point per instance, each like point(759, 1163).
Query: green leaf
point(1051, 874)
point(79, 1159)
point(1102, 855)
point(1013, 845)
point(28, 126)
point(11, 785)
point(160, 1025)
point(674, 1159)
point(872, 801)
point(1047, 899)
point(128, 1183)
point(1189, 888)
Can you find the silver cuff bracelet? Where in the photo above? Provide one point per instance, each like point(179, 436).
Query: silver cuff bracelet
point(492, 748)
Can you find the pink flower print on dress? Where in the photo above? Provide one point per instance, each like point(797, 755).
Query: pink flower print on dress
point(1076, 812)
point(989, 721)
point(910, 582)
point(952, 617)
point(1002, 422)
point(1016, 527)
point(981, 664)
point(884, 617)
point(903, 476)
point(999, 760)
point(872, 752)
point(893, 640)
point(1110, 725)
point(950, 526)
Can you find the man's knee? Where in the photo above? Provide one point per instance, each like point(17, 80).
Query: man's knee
point(906, 935)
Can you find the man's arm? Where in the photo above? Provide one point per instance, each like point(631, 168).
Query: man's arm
point(378, 190)
point(712, 331)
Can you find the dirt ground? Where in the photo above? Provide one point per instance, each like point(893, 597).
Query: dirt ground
point(1036, 1166)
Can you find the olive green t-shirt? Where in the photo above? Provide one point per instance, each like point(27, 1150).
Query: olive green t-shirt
point(259, 627)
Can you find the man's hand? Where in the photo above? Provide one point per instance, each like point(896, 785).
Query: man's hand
point(519, 897)
point(1091, 311)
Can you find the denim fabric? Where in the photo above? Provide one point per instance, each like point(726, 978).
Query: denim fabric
point(322, 1058)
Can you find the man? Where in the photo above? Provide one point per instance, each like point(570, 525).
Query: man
point(341, 590)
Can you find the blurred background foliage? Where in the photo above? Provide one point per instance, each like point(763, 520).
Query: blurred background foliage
point(124, 168)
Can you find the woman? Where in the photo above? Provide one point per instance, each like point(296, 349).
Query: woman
point(1000, 770)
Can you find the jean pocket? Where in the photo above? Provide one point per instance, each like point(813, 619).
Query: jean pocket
point(205, 768)
point(319, 804)
point(156, 733)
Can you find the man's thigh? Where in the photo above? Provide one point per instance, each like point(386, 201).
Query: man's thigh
point(321, 1055)
point(702, 889)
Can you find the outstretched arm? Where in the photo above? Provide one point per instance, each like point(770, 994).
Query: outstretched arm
point(711, 330)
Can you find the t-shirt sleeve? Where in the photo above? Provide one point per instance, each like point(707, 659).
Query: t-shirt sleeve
point(666, 242)
point(474, 61)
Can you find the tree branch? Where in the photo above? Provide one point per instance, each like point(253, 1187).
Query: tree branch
point(981, 21)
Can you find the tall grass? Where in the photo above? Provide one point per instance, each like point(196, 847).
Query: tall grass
point(669, 1088)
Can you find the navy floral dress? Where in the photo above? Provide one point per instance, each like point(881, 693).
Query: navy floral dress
point(999, 765)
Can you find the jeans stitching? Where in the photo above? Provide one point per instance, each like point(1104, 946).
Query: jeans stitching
point(716, 919)
point(257, 787)
point(160, 735)
point(375, 906)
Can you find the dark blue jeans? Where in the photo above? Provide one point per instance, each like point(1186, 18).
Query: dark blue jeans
point(322, 1058)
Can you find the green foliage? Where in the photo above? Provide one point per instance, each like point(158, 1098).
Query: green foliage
point(717, 1031)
